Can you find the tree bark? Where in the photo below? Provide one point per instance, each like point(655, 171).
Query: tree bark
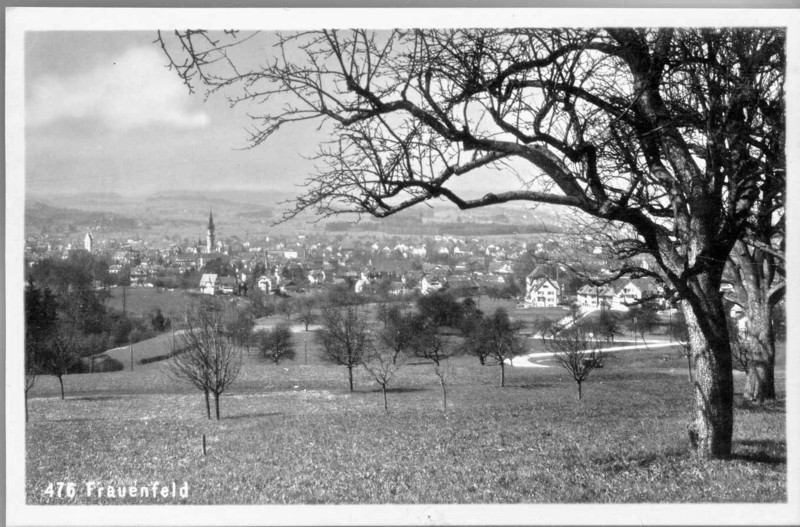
point(580, 393)
point(711, 430)
point(444, 396)
point(760, 341)
point(216, 404)
point(385, 402)
point(502, 374)
point(208, 405)
point(350, 376)
point(61, 382)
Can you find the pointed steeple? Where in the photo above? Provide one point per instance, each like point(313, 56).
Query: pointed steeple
point(210, 233)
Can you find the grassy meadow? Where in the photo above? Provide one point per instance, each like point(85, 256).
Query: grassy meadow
point(293, 433)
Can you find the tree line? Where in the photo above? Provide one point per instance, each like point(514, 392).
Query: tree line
point(67, 320)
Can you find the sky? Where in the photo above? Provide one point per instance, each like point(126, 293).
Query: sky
point(103, 113)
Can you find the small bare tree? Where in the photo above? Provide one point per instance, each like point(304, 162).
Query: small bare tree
point(276, 344)
point(427, 343)
point(209, 360)
point(306, 312)
point(31, 370)
point(382, 364)
point(61, 353)
point(577, 351)
point(445, 371)
point(498, 337)
point(344, 337)
point(287, 307)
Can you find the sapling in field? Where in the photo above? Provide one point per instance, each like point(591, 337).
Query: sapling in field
point(344, 337)
point(577, 351)
point(209, 361)
point(382, 364)
point(445, 371)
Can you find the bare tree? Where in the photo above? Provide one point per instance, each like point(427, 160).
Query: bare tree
point(608, 325)
point(344, 337)
point(276, 344)
point(209, 361)
point(498, 337)
point(239, 326)
point(307, 311)
point(445, 371)
point(61, 354)
point(757, 272)
point(664, 130)
point(382, 364)
point(577, 351)
point(31, 371)
point(545, 328)
point(287, 307)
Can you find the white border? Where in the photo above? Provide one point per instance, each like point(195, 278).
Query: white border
point(20, 20)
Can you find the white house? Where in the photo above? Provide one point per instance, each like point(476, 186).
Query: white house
point(542, 292)
point(265, 284)
point(619, 295)
point(594, 296)
point(209, 284)
point(630, 291)
point(430, 283)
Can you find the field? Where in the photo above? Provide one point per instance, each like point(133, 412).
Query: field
point(142, 301)
point(293, 434)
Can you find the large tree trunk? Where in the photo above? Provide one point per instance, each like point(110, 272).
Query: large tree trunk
point(711, 429)
point(753, 283)
point(760, 342)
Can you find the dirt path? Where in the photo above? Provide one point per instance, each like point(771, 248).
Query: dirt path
point(526, 361)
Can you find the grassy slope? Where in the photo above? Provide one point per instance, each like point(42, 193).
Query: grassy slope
point(142, 301)
point(294, 434)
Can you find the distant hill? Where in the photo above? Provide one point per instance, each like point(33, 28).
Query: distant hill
point(40, 216)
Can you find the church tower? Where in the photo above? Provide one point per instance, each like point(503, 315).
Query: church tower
point(210, 247)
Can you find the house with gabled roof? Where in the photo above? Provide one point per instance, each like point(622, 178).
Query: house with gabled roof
point(542, 292)
point(618, 295)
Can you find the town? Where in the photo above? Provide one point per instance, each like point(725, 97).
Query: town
point(394, 266)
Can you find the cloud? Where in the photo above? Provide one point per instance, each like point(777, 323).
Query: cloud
point(131, 91)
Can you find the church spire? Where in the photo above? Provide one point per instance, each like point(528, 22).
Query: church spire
point(210, 233)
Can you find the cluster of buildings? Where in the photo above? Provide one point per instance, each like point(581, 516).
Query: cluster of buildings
point(390, 265)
